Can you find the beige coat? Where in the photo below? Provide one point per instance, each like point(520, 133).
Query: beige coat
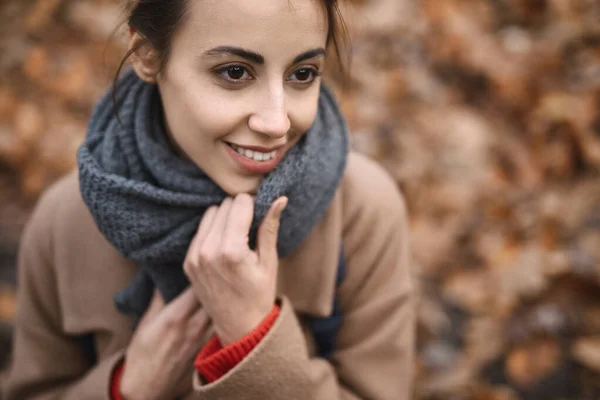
point(68, 274)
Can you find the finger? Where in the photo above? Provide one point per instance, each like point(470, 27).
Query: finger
point(239, 222)
point(269, 229)
point(215, 234)
point(198, 323)
point(204, 226)
point(156, 304)
point(183, 306)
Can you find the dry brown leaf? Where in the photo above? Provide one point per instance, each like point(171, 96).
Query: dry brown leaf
point(41, 15)
point(29, 123)
point(8, 303)
point(33, 181)
point(529, 363)
point(457, 379)
point(485, 392)
point(485, 339)
point(471, 290)
point(591, 320)
point(35, 65)
point(587, 352)
point(8, 104)
point(72, 81)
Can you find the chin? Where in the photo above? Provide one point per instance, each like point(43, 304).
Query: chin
point(248, 185)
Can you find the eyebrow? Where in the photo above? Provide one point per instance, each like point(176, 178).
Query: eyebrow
point(257, 58)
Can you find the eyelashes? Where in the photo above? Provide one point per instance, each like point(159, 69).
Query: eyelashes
point(312, 73)
point(234, 73)
point(238, 74)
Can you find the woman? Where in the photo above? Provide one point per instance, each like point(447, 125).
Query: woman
point(219, 213)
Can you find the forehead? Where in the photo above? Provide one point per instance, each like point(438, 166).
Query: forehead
point(259, 25)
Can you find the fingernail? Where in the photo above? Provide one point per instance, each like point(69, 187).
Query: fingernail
point(282, 205)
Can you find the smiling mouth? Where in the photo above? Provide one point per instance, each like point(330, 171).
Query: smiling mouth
point(253, 154)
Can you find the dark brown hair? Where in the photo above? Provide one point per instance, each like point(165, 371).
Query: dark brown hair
point(157, 20)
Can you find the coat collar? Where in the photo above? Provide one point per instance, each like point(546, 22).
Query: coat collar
point(307, 277)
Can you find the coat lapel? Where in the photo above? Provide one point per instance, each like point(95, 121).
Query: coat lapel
point(307, 276)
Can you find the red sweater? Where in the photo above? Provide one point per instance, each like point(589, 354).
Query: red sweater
point(214, 360)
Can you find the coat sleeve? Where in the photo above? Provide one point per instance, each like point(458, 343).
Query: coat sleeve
point(375, 347)
point(46, 363)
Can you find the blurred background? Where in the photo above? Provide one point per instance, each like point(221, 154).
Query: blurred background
point(486, 112)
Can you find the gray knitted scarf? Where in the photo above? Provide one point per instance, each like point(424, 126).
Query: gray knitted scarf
point(148, 202)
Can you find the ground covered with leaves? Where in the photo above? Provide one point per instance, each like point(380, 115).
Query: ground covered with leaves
point(487, 114)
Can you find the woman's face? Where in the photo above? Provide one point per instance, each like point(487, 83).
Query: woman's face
point(241, 85)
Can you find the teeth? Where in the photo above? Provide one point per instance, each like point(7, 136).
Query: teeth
point(254, 155)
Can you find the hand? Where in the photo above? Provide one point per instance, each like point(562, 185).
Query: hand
point(162, 351)
point(236, 286)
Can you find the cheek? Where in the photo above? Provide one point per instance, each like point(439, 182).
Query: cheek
point(303, 111)
point(217, 116)
point(196, 111)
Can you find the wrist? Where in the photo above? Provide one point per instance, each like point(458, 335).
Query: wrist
point(130, 390)
point(133, 395)
point(125, 393)
point(214, 360)
point(242, 326)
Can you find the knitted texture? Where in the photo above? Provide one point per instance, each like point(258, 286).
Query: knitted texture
point(148, 202)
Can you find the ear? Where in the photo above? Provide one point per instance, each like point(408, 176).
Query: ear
point(145, 60)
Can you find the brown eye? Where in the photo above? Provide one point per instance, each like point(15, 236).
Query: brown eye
point(235, 73)
point(304, 75)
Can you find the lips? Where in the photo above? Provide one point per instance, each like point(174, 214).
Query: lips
point(253, 159)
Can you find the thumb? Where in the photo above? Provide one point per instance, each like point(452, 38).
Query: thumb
point(269, 229)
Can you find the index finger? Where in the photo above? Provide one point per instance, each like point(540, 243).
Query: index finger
point(183, 306)
point(156, 304)
point(204, 227)
point(239, 220)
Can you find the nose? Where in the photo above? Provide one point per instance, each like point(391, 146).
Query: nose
point(270, 116)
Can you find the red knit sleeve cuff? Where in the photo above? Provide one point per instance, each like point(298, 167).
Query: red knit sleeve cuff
point(115, 393)
point(214, 361)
